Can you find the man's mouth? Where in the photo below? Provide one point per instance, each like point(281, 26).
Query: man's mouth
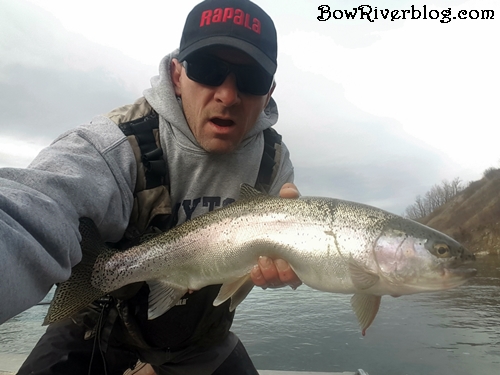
point(222, 122)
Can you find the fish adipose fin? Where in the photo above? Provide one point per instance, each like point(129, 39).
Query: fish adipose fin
point(366, 307)
point(360, 277)
point(162, 297)
point(77, 292)
point(237, 291)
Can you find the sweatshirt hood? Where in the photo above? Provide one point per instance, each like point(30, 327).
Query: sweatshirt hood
point(161, 96)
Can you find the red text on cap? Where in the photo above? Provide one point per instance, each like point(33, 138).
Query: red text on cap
point(238, 17)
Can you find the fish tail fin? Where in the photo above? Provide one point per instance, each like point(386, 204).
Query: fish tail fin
point(78, 292)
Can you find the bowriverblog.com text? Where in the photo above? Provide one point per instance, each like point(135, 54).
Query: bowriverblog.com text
point(372, 14)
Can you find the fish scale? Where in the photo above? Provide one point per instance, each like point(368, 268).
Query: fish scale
point(332, 245)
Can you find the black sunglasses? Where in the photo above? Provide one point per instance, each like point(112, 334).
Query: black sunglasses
point(211, 71)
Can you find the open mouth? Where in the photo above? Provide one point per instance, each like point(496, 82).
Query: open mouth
point(222, 122)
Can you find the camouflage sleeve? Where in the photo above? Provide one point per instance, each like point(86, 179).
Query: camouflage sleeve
point(285, 172)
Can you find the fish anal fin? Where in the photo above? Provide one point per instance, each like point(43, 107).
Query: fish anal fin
point(365, 307)
point(162, 297)
point(361, 278)
point(237, 291)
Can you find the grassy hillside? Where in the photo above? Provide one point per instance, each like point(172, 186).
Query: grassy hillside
point(473, 216)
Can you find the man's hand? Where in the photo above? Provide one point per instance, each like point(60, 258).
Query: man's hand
point(269, 273)
point(289, 190)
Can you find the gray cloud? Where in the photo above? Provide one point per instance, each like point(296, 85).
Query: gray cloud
point(48, 101)
point(341, 151)
point(52, 80)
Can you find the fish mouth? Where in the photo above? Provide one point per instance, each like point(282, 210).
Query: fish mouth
point(453, 277)
point(464, 273)
point(441, 279)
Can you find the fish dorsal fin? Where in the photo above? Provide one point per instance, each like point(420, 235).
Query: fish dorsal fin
point(162, 297)
point(237, 291)
point(365, 307)
point(248, 191)
point(360, 276)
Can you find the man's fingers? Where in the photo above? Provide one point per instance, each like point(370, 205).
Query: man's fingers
point(257, 277)
point(286, 274)
point(289, 190)
point(269, 271)
point(274, 274)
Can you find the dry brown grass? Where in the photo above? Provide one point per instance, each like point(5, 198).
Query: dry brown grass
point(473, 216)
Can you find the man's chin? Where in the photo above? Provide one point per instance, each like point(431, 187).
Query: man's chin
point(218, 146)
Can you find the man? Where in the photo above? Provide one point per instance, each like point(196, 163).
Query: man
point(181, 150)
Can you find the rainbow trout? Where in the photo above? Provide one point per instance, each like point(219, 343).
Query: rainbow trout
point(332, 245)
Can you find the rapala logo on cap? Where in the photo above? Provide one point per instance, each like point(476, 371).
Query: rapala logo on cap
point(230, 14)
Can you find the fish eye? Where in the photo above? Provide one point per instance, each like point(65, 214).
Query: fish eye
point(442, 250)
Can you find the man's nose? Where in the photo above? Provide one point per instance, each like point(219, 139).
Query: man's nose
point(227, 93)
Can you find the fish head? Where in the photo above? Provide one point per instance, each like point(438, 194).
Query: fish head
point(413, 258)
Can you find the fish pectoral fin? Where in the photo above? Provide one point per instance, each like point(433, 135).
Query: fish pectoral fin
point(237, 291)
point(365, 307)
point(360, 277)
point(162, 297)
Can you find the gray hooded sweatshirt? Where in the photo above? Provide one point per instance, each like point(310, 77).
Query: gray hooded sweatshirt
point(91, 172)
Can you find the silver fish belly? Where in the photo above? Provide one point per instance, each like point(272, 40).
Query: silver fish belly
point(332, 245)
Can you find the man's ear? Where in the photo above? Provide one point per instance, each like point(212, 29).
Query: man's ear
point(269, 94)
point(175, 75)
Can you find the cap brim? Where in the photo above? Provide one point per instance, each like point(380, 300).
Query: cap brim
point(261, 58)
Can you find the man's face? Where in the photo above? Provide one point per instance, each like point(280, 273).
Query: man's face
point(218, 116)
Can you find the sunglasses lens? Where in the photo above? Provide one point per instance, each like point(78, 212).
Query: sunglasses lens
point(253, 80)
point(211, 71)
point(207, 71)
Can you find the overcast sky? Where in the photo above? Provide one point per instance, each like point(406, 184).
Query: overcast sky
point(375, 112)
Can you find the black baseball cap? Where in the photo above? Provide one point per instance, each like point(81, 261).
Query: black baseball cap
point(234, 23)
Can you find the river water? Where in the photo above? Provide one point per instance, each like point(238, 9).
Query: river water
point(455, 332)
